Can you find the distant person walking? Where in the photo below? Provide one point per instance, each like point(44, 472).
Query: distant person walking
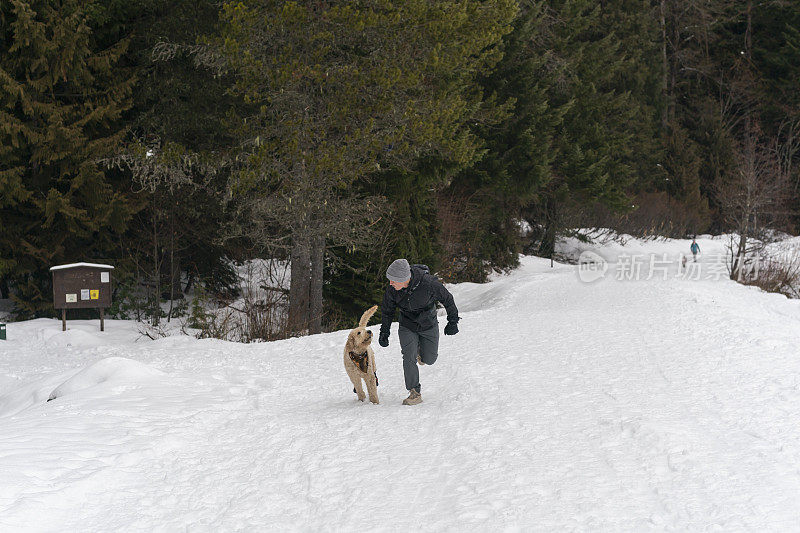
point(415, 291)
point(695, 248)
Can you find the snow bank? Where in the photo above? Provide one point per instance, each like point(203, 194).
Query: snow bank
point(30, 394)
point(105, 377)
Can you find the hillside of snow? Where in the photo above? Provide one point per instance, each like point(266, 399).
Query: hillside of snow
point(656, 397)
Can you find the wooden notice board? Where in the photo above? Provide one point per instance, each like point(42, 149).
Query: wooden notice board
point(81, 286)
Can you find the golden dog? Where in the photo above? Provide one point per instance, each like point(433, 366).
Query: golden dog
point(359, 359)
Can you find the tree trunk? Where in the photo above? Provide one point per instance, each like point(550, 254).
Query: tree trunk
point(177, 293)
point(548, 246)
point(315, 296)
point(748, 34)
point(299, 288)
point(155, 304)
point(738, 262)
point(664, 66)
point(673, 75)
point(171, 260)
point(741, 258)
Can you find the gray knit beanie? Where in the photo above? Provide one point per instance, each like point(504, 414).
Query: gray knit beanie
point(399, 271)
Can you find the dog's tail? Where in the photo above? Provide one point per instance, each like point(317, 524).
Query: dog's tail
point(367, 315)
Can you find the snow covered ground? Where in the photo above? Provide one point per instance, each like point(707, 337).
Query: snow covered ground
point(625, 404)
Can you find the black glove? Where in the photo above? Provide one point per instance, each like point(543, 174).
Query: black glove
point(451, 328)
point(383, 339)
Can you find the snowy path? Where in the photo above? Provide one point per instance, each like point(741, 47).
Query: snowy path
point(617, 405)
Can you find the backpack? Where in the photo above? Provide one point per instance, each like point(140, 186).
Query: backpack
point(424, 268)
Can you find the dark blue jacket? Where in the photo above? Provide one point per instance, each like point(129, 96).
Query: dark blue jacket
point(417, 302)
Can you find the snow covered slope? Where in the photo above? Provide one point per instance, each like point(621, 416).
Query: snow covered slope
point(618, 405)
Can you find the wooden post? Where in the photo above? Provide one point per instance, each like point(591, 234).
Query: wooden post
point(102, 325)
point(64, 319)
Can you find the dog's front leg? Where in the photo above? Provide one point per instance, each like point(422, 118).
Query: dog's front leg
point(360, 389)
point(372, 389)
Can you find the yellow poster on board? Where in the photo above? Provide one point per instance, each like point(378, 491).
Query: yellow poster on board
point(94, 295)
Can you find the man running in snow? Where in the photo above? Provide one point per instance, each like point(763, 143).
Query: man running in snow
point(695, 248)
point(415, 291)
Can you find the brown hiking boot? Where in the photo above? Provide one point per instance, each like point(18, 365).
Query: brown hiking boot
point(414, 398)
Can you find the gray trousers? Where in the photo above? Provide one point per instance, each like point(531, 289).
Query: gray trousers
point(423, 343)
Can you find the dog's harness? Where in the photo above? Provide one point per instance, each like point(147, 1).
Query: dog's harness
point(362, 362)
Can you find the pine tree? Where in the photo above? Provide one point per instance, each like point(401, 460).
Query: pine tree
point(61, 97)
point(749, 87)
point(682, 165)
point(176, 132)
point(517, 159)
point(776, 54)
point(634, 25)
point(692, 137)
point(344, 90)
point(584, 129)
point(593, 151)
